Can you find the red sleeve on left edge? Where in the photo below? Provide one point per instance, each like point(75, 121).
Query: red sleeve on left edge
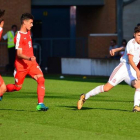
point(1, 33)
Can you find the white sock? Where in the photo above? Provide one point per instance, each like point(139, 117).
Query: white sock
point(137, 97)
point(95, 91)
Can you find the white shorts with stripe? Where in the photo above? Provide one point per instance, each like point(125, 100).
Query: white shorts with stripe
point(123, 72)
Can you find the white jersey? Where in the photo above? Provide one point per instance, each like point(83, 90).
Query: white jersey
point(132, 48)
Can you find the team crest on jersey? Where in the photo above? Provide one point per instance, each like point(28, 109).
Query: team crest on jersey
point(30, 45)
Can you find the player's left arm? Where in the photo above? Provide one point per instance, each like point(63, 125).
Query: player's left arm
point(20, 55)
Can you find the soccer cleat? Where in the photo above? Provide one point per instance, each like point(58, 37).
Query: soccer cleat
point(81, 101)
point(136, 108)
point(1, 98)
point(41, 107)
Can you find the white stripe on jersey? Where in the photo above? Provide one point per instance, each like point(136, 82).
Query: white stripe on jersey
point(0, 29)
point(17, 40)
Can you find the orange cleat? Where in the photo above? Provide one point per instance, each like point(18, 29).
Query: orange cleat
point(81, 101)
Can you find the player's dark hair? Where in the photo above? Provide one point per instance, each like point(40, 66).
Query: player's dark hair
point(26, 16)
point(1, 15)
point(137, 29)
point(138, 24)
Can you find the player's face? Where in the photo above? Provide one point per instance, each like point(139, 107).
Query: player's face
point(137, 37)
point(28, 24)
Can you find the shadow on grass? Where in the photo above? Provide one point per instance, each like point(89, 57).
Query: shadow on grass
point(89, 108)
point(98, 98)
point(75, 107)
point(77, 78)
point(17, 110)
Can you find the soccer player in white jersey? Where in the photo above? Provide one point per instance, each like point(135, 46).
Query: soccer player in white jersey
point(126, 71)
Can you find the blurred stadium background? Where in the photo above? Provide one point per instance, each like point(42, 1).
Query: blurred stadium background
point(73, 37)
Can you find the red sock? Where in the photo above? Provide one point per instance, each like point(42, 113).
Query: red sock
point(12, 87)
point(40, 89)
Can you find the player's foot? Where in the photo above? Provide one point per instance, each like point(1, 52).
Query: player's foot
point(1, 98)
point(81, 101)
point(136, 108)
point(41, 107)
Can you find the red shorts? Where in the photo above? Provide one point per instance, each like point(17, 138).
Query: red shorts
point(1, 81)
point(32, 71)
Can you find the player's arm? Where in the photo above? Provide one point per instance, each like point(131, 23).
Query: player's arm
point(22, 56)
point(113, 51)
point(1, 21)
point(131, 62)
point(1, 28)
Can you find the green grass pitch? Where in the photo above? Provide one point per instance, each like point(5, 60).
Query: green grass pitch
point(107, 116)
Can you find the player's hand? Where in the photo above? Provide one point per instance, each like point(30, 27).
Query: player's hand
point(33, 58)
point(2, 24)
point(138, 74)
point(112, 52)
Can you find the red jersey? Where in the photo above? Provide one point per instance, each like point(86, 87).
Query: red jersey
point(23, 41)
point(1, 30)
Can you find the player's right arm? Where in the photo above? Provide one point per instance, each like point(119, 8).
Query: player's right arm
point(19, 46)
point(131, 62)
point(113, 51)
point(130, 53)
point(22, 56)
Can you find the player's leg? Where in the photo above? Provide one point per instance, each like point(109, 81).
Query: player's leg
point(19, 79)
point(131, 79)
point(115, 78)
point(95, 91)
point(136, 85)
point(36, 73)
point(2, 88)
point(99, 89)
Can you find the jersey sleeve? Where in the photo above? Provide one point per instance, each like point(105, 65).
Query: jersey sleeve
point(130, 48)
point(1, 30)
point(18, 41)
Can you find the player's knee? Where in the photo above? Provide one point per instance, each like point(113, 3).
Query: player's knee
point(41, 80)
point(18, 88)
point(136, 83)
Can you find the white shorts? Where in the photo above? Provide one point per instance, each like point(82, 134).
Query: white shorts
point(123, 72)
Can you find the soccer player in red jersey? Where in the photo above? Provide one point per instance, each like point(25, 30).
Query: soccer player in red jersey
point(25, 62)
point(2, 84)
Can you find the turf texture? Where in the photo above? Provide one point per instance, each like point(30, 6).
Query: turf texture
point(107, 116)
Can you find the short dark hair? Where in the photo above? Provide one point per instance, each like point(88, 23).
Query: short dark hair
point(1, 15)
point(13, 26)
point(137, 29)
point(114, 41)
point(138, 24)
point(124, 40)
point(26, 16)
